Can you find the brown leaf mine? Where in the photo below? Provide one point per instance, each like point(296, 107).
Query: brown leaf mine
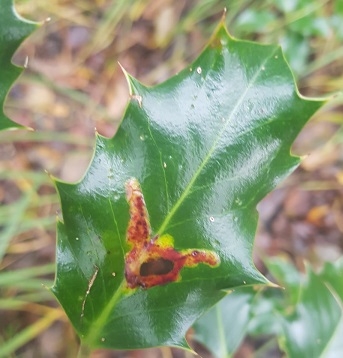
point(153, 260)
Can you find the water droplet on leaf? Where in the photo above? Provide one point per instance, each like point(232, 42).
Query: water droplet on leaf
point(238, 201)
point(223, 41)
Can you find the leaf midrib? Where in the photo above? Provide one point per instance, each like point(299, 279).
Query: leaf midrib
point(187, 190)
point(100, 322)
point(97, 326)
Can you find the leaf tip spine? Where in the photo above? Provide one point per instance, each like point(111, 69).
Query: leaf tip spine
point(127, 77)
point(99, 136)
point(185, 346)
point(21, 18)
point(221, 35)
point(16, 126)
point(273, 285)
point(303, 157)
point(223, 18)
point(46, 20)
point(49, 175)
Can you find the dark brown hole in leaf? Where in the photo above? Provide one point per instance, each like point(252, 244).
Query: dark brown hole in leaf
point(156, 267)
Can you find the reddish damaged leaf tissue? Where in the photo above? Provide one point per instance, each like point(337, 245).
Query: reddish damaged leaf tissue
point(153, 259)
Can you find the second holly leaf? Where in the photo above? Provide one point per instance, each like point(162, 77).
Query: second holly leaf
point(165, 217)
point(13, 31)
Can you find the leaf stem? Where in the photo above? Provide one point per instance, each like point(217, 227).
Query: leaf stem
point(93, 334)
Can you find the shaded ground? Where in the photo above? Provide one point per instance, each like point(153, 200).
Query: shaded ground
point(74, 84)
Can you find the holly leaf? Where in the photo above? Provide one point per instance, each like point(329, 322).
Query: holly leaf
point(13, 31)
point(332, 274)
point(164, 219)
point(306, 316)
point(223, 328)
point(314, 327)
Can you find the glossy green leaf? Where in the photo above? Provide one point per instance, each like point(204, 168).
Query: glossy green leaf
point(319, 314)
point(311, 311)
point(246, 311)
point(225, 325)
point(287, 276)
point(13, 31)
point(306, 316)
point(332, 274)
point(265, 307)
point(271, 305)
point(312, 329)
point(205, 147)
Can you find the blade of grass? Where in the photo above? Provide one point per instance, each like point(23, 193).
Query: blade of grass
point(14, 217)
point(298, 15)
point(72, 94)
point(323, 61)
point(30, 284)
point(105, 30)
point(32, 223)
point(38, 178)
point(22, 275)
point(22, 300)
point(53, 136)
point(35, 308)
point(30, 332)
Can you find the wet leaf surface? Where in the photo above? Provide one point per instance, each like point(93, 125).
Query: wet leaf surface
point(199, 151)
point(313, 327)
point(224, 326)
point(13, 31)
point(305, 317)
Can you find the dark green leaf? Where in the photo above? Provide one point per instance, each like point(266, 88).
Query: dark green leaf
point(287, 276)
point(263, 314)
point(310, 329)
point(205, 147)
point(13, 31)
point(332, 275)
point(224, 326)
point(306, 316)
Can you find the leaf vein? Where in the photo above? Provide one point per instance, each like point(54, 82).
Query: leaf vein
point(214, 146)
